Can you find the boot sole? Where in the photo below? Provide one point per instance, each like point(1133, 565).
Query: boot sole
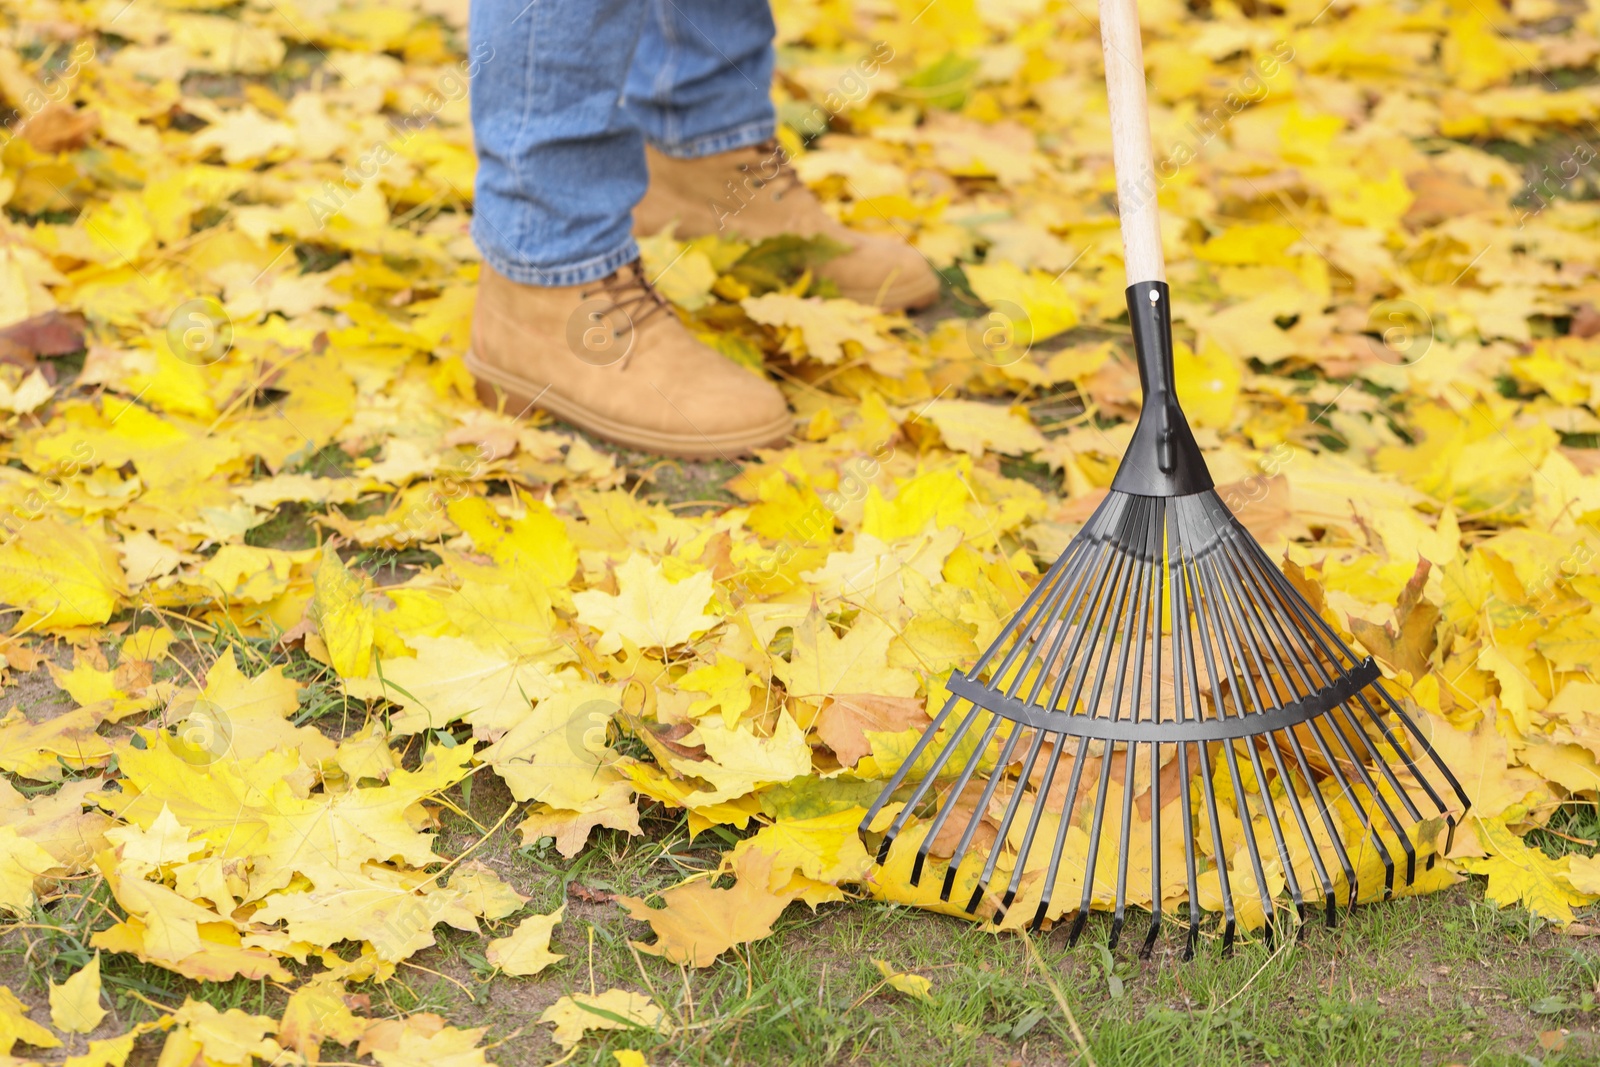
point(496, 387)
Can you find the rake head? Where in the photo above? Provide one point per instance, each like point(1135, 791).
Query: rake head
point(1164, 662)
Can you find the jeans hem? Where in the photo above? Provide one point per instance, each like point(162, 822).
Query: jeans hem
point(580, 273)
point(709, 144)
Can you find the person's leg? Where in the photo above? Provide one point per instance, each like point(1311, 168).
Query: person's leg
point(564, 318)
point(700, 90)
point(701, 79)
point(560, 162)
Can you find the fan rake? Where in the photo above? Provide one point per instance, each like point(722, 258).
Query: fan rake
point(1165, 635)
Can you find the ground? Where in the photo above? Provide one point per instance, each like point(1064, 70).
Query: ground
point(1441, 979)
point(1424, 165)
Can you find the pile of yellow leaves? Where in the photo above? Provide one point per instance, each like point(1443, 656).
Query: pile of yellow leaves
point(1386, 343)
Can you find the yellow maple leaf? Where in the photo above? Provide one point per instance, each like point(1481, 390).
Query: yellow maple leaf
point(485, 893)
point(164, 842)
point(1026, 307)
point(527, 949)
point(1208, 383)
point(59, 575)
point(21, 861)
point(649, 609)
point(534, 543)
point(972, 427)
point(913, 985)
point(392, 911)
point(75, 1004)
point(43, 750)
point(615, 1009)
point(726, 684)
point(1522, 875)
point(701, 922)
point(318, 1011)
point(422, 1040)
point(823, 663)
point(556, 751)
point(739, 760)
point(233, 1036)
point(451, 679)
point(822, 328)
point(344, 616)
point(16, 1026)
point(826, 848)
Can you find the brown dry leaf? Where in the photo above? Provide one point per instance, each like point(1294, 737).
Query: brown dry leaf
point(844, 720)
point(59, 129)
point(700, 922)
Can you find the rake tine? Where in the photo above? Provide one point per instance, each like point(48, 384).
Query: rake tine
point(1228, 907)
point(1308, 618)
point(1182, 582)
point(1242, 554)
point(1124, 832)
point(954, 795)
point(1155, 853)
point(1210, 793)
point(1240, 624)
point(977, 815)
point(1033, 753)
point(1174, 550)
point(1193, 936)
point(1330, 825)
point(1372, 787)
point(927, 780)
point(1094, 630)
point(1094, 846)
point(1078, 759)
point(899, 777)
point(1067, 586)
point(1005, 822)
point(1150, 569)
point(1316, 727)
point(1158, 536)
point(1054, 578)
point(1427, 747)
point(1323, 633)
point(1032, 821)
point(1222, 619)
point(1069, 591)
point(1400, 750)
point(1118, 598)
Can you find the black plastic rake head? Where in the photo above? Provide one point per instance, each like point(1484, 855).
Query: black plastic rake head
point(1165, 636)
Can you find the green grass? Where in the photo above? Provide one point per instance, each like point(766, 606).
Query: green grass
point(1431, 980)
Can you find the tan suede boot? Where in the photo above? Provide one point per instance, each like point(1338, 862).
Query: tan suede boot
point(754, 193)
point(613, 358)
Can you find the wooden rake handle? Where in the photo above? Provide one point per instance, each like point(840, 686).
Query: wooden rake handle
point(1130, 141)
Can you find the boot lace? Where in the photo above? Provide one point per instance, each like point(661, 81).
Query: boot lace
point(631, 293)
point(784, 181)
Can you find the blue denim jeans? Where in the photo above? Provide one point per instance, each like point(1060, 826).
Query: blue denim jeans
point(564, 97)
